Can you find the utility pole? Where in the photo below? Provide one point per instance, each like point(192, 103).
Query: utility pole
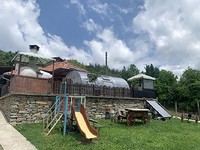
point(106, 59)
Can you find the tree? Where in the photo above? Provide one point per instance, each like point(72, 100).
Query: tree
point(124, 73)
point(165, 86)
point(6, 57)
point(152, 71)
point(77, 63)
point(188, 89)
point(127, 73)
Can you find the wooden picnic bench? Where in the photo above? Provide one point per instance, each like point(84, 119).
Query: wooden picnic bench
point(120, 115)
point(133, 114)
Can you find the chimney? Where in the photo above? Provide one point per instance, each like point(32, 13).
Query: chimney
point(34, 48)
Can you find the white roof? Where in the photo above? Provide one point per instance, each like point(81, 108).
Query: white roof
point(141, 76)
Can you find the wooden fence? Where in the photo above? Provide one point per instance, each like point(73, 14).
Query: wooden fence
point(94, 90)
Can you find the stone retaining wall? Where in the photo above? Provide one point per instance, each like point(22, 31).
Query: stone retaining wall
point(20, 108)
point(97, 107)
point(23, 108)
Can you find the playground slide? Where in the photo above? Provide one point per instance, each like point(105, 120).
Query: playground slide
point(84, 125)
point(159, 108)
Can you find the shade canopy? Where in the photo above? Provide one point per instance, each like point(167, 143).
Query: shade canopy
point(141, 76)
point(39, 59)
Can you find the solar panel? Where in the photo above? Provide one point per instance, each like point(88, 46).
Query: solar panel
point(160, 109)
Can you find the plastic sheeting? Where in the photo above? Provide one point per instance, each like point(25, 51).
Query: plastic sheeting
point(103, 80)
point(111, 81)
point(40, 60)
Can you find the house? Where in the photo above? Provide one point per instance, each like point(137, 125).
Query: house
point(144, 86)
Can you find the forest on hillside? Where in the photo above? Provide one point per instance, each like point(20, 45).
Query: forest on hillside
point(169, 89)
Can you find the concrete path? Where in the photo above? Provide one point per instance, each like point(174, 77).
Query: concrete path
point(11, 139)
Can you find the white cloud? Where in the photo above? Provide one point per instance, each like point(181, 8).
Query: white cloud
point(99, 7)
point(23, 29)
point(119, 54)
point(79, 5)
point(168, 35)
point(19, 28)
point(91, 26)
point(173, 26)
point(124, 10)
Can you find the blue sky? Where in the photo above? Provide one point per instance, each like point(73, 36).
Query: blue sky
point(67, 18)
point(163, 33)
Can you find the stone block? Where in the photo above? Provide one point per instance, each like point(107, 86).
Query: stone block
point(32, 105)
point(15, 103)
point(93, 110)
point(13, 114)
point(37, 121)
point(13, 120)
point(37, 115)
point(98, 116)
point(19, 119)
point(13, 110)
point(14, 106)
point(24, 121)
point(42, 102)
point(23, 112)
point(13, 117)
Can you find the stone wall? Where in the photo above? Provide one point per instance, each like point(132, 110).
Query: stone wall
point(21, 108)
point(97, 107)
point(30, 108)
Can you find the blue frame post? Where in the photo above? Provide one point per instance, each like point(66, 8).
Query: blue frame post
point(65, 116)
point(65, 111)
point(57, 104)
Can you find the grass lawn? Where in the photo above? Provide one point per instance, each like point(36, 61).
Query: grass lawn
point(158, 135)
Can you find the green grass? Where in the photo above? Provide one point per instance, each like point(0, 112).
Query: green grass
point(158, 135)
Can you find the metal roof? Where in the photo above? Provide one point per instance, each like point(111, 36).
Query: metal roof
point(141, 76)
point(25, 58)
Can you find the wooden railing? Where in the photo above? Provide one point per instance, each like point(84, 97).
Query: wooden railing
point(94, 90)
point(24, 84)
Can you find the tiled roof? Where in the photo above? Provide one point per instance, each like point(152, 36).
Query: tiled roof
point(61, 65)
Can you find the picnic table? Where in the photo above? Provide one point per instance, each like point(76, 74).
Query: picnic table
point(133, 114)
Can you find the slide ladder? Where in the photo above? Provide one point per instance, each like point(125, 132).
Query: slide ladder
point(55, 114)
point(57, 111)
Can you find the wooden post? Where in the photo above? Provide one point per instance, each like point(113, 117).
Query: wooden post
point(93, 91)
point(198, 108)
point(52, 84)
point(182, 117)
point(114, 92)
point(196, 118)
point(176, 108)
point(19, 66)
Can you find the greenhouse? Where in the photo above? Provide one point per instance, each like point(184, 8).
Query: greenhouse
point(104, 80)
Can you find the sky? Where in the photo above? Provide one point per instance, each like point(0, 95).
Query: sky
point(142, 32)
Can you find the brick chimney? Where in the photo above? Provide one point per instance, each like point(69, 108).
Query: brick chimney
point(34, 48)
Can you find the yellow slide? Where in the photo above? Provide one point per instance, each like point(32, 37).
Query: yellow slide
point(84, 125)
